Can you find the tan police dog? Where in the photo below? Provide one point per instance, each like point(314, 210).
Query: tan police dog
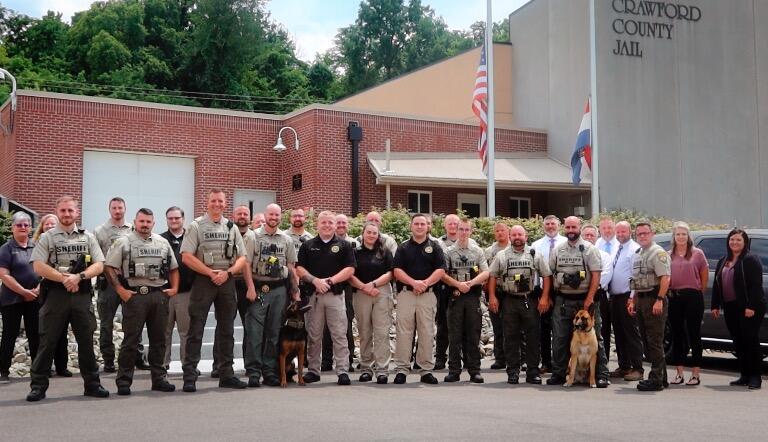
point(582, 365)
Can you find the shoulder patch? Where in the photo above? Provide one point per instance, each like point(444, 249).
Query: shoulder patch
point(663, 256)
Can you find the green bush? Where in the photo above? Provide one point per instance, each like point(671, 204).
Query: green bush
point(396, 222)
point(5, 226)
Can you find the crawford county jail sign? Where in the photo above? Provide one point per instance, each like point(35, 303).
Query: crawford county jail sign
point(647, 19)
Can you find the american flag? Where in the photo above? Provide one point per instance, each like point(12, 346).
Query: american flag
point(480, 108)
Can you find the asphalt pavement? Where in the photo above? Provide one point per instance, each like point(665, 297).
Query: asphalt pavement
point(325, 411)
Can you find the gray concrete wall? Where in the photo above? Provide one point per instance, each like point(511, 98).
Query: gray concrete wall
point(683, 130)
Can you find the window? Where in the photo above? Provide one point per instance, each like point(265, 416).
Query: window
point(714, 249)
point(419, 201)
point(519, 207)
point(473, 205)
point(759, 247)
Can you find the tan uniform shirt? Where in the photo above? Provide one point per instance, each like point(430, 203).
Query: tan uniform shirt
point(60, 249)
point(269, 254)
point(213, 243)
point(518, 272)
point(570, 263)
point(141, 261)
point(107, 233)
point(648, 266)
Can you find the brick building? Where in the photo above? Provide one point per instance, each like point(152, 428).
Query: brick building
point(156, 155)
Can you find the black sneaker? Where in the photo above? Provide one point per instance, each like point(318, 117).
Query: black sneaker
point(365, 377)
point(326, 367)
point(5, 378)
point(556, 380)
point(109, 367)
point(400, 378)
point(215, 373)
point(439, 365)
point(123, 390)
point(742, 381)
point(272, 381)
point(603, 383)
point(648, 385)
point(428, 379)
point(141, 364)
point(98, 391)
point(37, 394)
point(512, 379)
point(451, 377)
point(163, 386)
point(253, 382)
point(65, 373)
point(498, 365)
point(233, 383)
point(476, 378)
point(536, 379)
point(343, 379)
point(189, 387)
point(382, 379)
point(311, 377)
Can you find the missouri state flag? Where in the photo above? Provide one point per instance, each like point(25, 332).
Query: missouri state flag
point(583, 146)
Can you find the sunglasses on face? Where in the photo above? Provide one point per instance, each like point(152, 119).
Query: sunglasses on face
point(22, 225)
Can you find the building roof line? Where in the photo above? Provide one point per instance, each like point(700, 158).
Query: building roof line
point(250, 115)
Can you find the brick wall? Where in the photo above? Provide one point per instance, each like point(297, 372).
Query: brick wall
point(231, 151)
point(7, 154)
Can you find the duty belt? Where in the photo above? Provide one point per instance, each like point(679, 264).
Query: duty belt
point(144, 289)
point(516, 295)
point(652, 292)
point(267, 286)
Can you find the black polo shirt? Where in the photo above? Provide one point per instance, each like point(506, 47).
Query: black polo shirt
point(419, 261)
point(15, 259)
point(372, 264)
point(325, 259)
point(186, 275)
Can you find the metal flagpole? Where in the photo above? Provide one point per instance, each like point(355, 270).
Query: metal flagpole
point(491, 114)
point(593, 109)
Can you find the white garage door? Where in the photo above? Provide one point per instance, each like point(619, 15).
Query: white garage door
point(152, 181)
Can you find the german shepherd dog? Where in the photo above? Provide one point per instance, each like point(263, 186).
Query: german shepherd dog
point(293, 338)
point(582, 365)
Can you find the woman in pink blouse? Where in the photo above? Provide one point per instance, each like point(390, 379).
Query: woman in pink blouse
point(686, 302)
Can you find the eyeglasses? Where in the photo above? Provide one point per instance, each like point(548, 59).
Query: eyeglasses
point(22, 225)
point(642, 233)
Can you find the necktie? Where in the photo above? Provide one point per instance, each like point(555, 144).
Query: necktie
point(616, 258)
point(551, 244)
point(608, 247)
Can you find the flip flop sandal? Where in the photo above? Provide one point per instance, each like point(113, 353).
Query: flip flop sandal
point(677, 380)
point(693, 381)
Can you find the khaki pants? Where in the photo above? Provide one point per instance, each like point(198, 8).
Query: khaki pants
point(328, 309)
point(415, 313)
point(374, 319)
point(178, 314)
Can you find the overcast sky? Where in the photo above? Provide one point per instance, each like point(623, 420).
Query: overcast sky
point(311, 23)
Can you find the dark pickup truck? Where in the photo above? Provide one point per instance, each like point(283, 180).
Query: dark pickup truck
point(714, 334)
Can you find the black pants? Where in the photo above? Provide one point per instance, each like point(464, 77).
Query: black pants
point(223, 297)
point(605, 316)
point(12, 315)
point(60, 308)
point(686, 310)
point(441, 320)
point(629, 344)
point(107, 302)
point(465, 320)
point(327, 355)
point(546, 339)
point(497, 325)
point(521, 319)
point(150, 309)
point(745, 334)
point(242, 308)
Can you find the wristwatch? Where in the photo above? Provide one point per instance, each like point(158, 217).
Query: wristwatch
point(82, 276)
point(229, 273)
point(659, 298)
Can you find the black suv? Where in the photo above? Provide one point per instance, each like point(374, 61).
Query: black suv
point(714, 334)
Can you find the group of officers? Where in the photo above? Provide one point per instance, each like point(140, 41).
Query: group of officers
point(251, 267)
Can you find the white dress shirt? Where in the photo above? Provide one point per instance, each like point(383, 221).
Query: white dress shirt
point(622, 267)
